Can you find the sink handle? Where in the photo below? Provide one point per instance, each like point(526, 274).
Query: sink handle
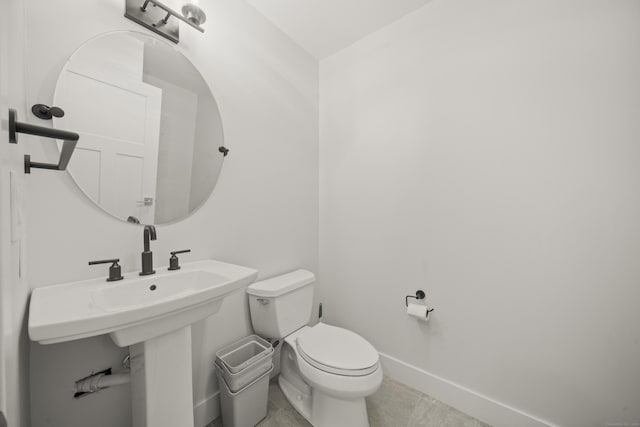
point(174, 262)
point(115, 271)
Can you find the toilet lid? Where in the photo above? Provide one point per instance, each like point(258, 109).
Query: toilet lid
point(338, 351)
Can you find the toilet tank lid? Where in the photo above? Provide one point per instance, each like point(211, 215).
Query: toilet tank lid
point(282, 284)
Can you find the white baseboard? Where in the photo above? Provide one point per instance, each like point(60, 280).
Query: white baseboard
point(206, 410)
point(468, 401)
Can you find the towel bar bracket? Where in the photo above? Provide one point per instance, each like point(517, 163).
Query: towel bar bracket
point(13, 139)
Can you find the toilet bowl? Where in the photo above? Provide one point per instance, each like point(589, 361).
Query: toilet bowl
point(326, 371)
point(342, 370)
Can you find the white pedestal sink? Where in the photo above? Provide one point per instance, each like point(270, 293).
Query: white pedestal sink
point(153, 316)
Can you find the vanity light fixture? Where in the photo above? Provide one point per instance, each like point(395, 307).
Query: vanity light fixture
point(193, 13)
point(156, 16)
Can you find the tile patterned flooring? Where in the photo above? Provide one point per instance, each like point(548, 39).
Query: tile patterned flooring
point(393, 405)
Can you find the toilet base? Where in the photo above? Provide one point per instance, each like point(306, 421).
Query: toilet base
point(322, 410)
point(300, 401)
point(328, 411)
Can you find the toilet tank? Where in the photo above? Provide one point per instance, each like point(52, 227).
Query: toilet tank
point(282, 304)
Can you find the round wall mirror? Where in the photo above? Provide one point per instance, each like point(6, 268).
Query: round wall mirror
point(151, 142)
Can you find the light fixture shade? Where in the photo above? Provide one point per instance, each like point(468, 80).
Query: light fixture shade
point(193, 13)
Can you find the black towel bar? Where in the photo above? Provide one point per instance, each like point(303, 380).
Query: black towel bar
point(70, 139)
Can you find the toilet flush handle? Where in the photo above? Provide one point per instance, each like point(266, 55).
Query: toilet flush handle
point(263, 301)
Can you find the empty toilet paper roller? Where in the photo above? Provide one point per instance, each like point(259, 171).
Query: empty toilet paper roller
point(419, 311)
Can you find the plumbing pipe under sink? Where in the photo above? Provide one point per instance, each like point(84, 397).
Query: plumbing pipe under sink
point(101, 380)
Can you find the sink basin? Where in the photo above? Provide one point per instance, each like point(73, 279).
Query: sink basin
point(136, 308)
point(156, 290)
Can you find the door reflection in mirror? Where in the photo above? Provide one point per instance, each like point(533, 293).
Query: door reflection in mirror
point(150, 129)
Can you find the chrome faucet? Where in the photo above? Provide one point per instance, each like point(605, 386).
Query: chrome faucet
point(147, 255)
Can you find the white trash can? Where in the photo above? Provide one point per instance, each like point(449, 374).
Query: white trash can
point(243, 370)
point(244, 353)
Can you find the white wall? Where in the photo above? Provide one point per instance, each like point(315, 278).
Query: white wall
point(488, 153)
point(14, 291)
point(263, 213)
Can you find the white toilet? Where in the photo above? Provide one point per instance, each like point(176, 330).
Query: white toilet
point(326, 371)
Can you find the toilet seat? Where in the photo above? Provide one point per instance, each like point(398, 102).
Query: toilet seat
point(337, 351)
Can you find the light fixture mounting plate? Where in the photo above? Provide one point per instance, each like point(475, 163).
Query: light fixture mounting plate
point(153, 19)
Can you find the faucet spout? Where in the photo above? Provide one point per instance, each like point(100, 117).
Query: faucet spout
point(147, 255)
point(149, 234)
